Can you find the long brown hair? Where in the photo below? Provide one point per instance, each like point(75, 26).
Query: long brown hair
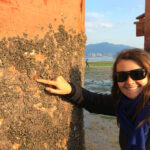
point(142, 58)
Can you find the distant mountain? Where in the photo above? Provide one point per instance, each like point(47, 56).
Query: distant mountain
point(104, 48)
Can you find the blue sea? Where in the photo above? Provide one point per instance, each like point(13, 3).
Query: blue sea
point(103, 58)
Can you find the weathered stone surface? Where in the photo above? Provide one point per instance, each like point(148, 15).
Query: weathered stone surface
point(30, 118)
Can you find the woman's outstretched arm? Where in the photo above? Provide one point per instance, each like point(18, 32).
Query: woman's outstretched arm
point(93, 102)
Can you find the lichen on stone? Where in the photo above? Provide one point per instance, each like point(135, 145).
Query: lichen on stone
point(22, 61)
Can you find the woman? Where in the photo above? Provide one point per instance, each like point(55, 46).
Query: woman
point(129, 99)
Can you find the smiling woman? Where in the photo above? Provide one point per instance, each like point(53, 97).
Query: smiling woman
point(131, 78)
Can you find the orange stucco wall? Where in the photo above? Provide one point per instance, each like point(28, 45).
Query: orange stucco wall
point(33, 16)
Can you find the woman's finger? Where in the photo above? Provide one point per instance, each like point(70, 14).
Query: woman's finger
point(48, 82)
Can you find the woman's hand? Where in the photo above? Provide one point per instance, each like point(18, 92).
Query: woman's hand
point(57, 86)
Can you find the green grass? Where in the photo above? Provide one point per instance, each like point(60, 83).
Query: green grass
point(101, 63)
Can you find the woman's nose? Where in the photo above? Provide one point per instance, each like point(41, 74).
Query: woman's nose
point(129, 80)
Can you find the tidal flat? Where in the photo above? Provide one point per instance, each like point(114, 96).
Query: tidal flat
point(101, 132)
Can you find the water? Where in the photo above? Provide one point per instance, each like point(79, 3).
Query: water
point(99, 86)
point(103, 58)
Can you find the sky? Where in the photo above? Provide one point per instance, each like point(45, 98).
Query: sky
point(113, 21)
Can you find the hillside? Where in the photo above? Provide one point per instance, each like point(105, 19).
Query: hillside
point(104, 48)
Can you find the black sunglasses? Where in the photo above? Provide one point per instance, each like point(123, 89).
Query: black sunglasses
point(137, 74)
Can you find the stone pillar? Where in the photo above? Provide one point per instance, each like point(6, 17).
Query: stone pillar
point(40, 39)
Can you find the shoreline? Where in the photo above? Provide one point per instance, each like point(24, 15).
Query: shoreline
point(101, 58)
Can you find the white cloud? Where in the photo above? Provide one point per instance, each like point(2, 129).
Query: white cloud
point(96, 21)
point(94, 15)
point(105, 25)
point(97, 25)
